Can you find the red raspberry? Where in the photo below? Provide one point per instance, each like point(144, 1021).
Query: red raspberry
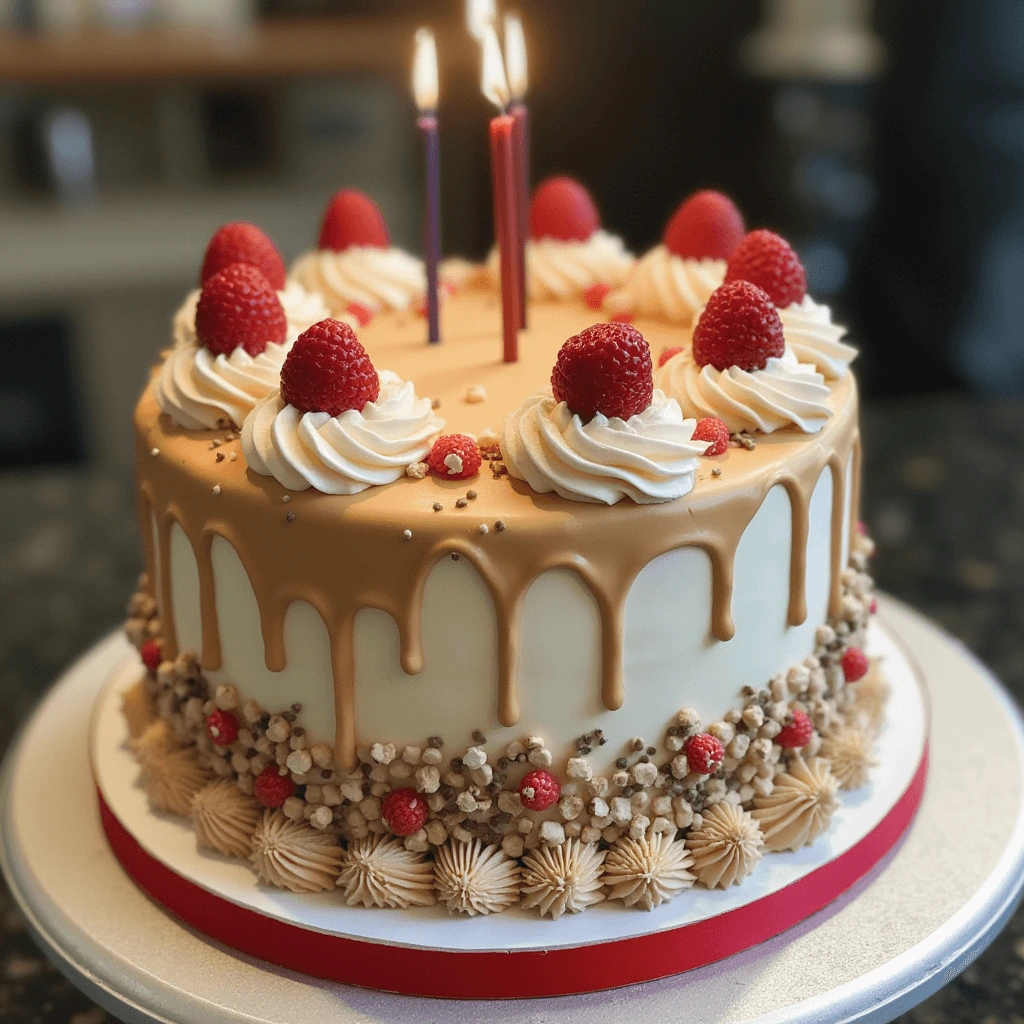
point(739, 326)
point(562, 208)
point(595, 295)
point(765, 259)
point(704, 753)
point(239, 307)
point(353, 218)
point(152, 653)
point(712, 429)
point(862, 528)
point(706, 225)
point(404, 811)
point(622, 316)
point(271, 787)
point(361, 312)
point(539, 790)
point(327, 370)
point(462, 455)
point(243, 243)
point(667, 354)
point(222, 728)
point(606, 369)
point(855, 664)
point(874, 607)
point(798, 733)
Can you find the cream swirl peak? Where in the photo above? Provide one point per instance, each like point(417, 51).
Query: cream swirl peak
point(560, 269)
point(811, 333)
point(342, 454)
point(365, 274)
point(784, 392)
point(651, 457)
point(667, 287)
point(302, 309)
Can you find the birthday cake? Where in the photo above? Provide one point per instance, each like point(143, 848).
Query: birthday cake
point(425, 627)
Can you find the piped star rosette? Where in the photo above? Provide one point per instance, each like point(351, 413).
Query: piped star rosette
point(740, 370)
point(232, 334)
point(355, 268)
point(568, 253)
point(602, 432)
point(336, 424)
point(675, 279)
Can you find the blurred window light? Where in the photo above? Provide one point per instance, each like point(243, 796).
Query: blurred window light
point(67, 139)
point(826, 265)
point(797, 110)
point(846, 192)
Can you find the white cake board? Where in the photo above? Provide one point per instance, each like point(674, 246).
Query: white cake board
point(899, 935)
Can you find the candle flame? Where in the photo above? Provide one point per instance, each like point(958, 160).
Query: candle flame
point(480, 15)
point(515, 56)
point(424, 71)
point(492, 72)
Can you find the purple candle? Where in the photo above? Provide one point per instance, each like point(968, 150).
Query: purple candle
point(425, 89)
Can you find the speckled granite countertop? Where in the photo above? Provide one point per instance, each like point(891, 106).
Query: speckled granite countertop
point(944, 493)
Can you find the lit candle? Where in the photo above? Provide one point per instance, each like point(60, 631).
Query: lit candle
point(424, 90)
point(480, 16)
point(503, 178)
point(515, 67)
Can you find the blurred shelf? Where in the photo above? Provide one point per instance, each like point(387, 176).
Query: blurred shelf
point(270, 49)
point(52, 253)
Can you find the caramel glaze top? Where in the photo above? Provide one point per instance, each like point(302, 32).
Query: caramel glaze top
point(343, 553)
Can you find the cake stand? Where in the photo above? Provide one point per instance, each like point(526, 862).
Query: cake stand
point(902, 932)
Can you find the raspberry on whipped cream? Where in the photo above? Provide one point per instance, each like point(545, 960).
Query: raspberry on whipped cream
point(568, 254)
point(355, 261)
point(341, 454)
point(675, 279)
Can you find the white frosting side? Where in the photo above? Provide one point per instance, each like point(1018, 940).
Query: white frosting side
point(560, 270)
point(667, 287)
point(377, 278)
point(814, 338)
point(785, 392)
point(302, 309)
point(341, 454)
point(649, 457)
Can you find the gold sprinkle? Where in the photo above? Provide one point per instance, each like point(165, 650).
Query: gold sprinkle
point(289, 517)
point(717, 471)
point(154, 452)
point(484, 528)
point(471, 495)
point(232, 456)
point(286, 498)
point(438, 506)
point(501, 525)
point(435, 403)
point(461, 503)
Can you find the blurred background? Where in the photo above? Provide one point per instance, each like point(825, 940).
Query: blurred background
point(885, 139)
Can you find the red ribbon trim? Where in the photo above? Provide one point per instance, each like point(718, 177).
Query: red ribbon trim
point(511, 975)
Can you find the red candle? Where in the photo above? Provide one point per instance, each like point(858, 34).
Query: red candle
point(506, 223)
point(521, 142)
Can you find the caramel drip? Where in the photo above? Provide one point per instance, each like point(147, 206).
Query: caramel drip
point(341, 554)
point(855, 475)
point(800, 502)
point(837, 464)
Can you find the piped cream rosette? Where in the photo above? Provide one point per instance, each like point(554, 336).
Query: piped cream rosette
point(650, 457)
point(342, 454)
point(785, 392)
point(815, 339)
point(378, 278)
point(665, 286)
point(558, 269)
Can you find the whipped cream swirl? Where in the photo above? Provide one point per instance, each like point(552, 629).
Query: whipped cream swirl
point(302, 309)
point(785, 392)
point(559, 270)
point(650, 457)
point(667, 287)
point(814, 338)
point(377, 278)
point(341, 454)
